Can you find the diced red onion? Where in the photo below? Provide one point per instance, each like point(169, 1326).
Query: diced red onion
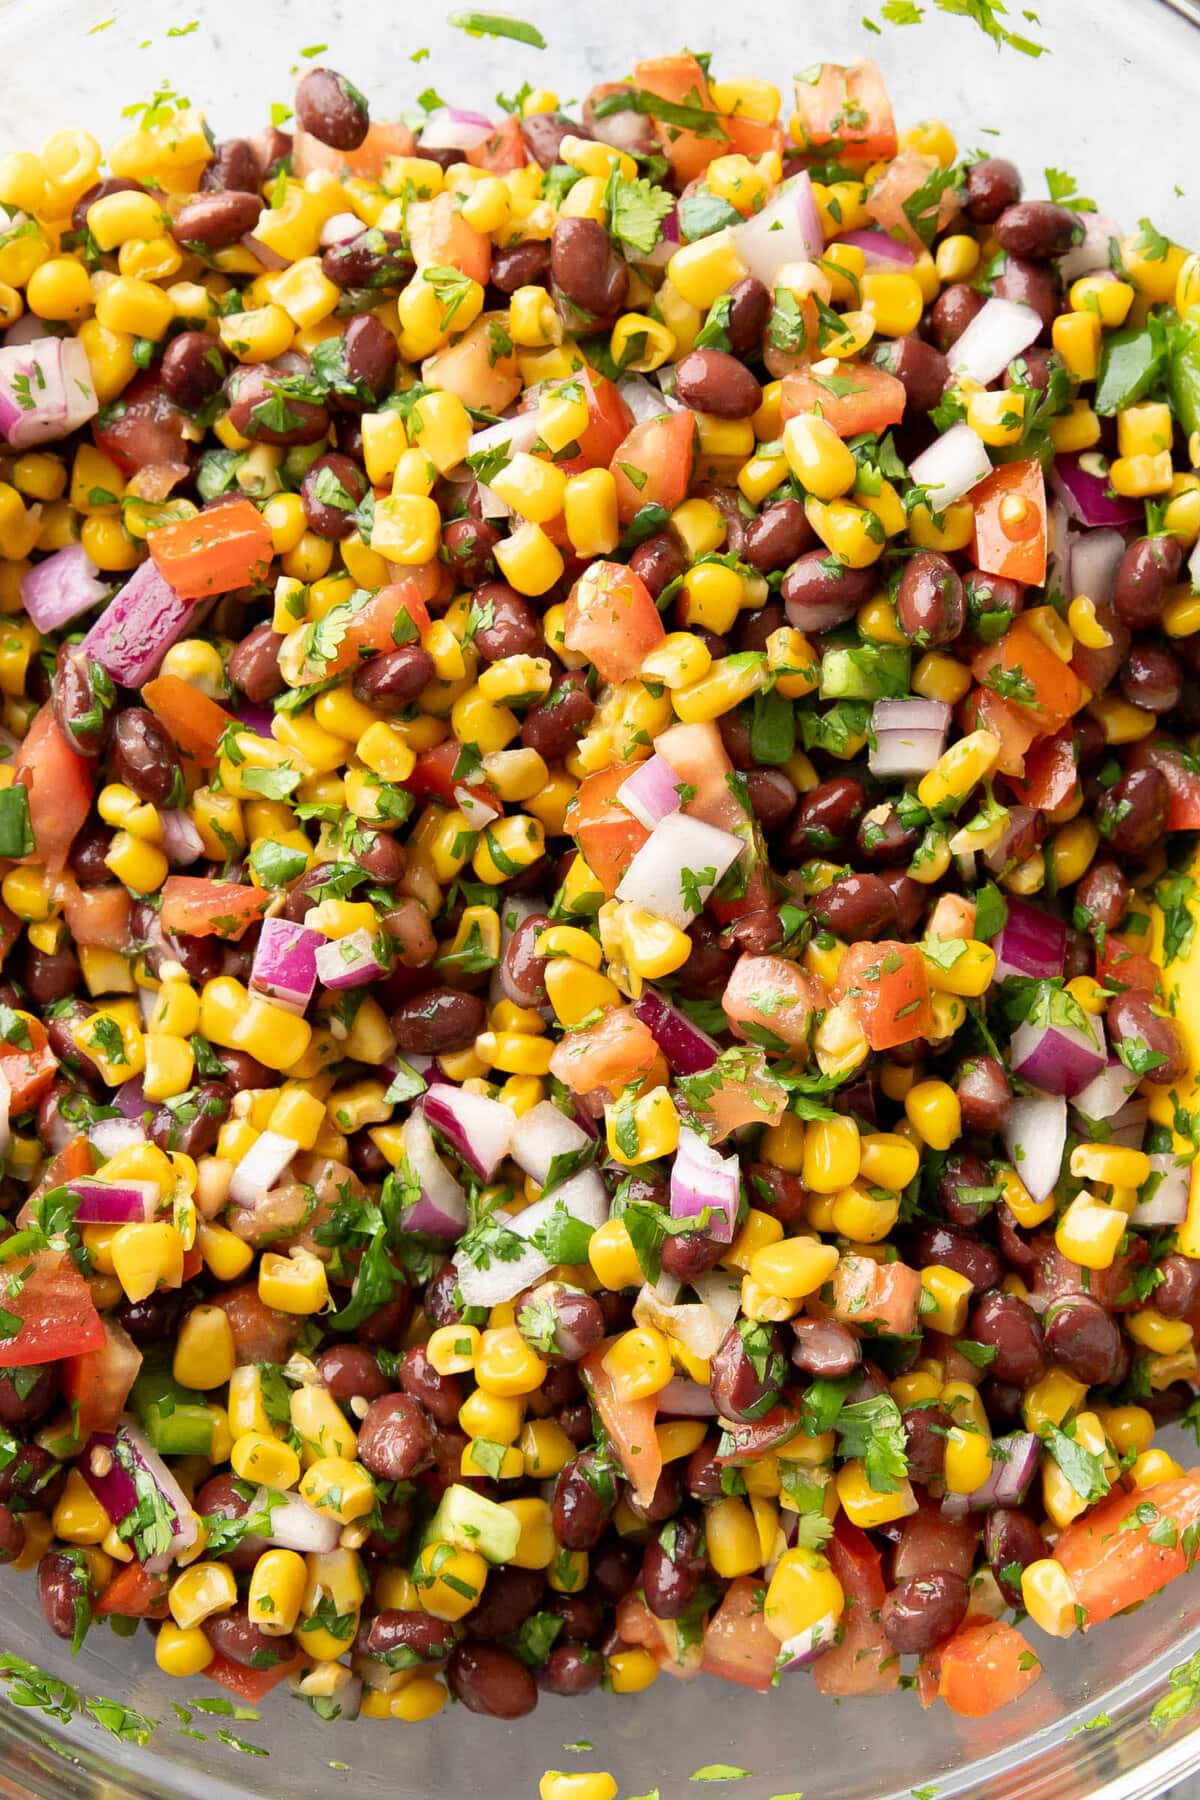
point(684, 1399)
point(908, 736)
point(1095, 558)
point(688, 1050)
point(138, 627)
point(787, 230)
point(113, 1202)
point(1001, 854)
point(349, 962)
point(653, 878)
point(115, 1490)
point(540, 1135)
point(1035, 1136)
point(1015, 1459)
point(1060, 541)
point(450, 129)
point(702, 1179)
point(45, 390)
point(258, 719)
point(1000, 330)
point(1092, 252)
point(1168, 1203)
point(1107, 1092)
point(480, 1130)
point(181, 841)
point(953, 464)
point(295, 1525)
point(61, 587)
point(807, 1646)
point(476, 809)
point(268, 1158)
point(285, 963)
point(1059, 1058)
point(442, 1208)
point(880, 250)
point(1030, 942)
point(651, 792)
point(110, 1136)
point(1088, 497)
point(340, 229)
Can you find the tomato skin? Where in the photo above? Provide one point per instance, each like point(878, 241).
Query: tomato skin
point(1122, 964)
point(700, 759)
point(848, 103)
point(980, 1668)
point(201, 908)
point(99, 1381)
point(863, 1663)
point(371, 627)
point(251, 1685)
point(888, 196)
point(97, 915)
point(681, 79)
point(857, 1564)
point(608, 837)
point(871, 1293)
point(1018, 552)
point(502, 152)
point(54, 1305)
point(892, 997)
point(1183, 807)
point(194, 721)
point(1051, 772)
point(629, 1423)
point(738, 1647)
point(28, 1069)
point(612, 1054)
point(133, 1594)
point(750, 1439)
point(609, 422)
point(982, 710)
point(381, 141)
point(60, 789)
point(1112, 1563)
point(227, 547)
point(1041, 689)
point(612, 620)
point(662, 450)
point(877, 400)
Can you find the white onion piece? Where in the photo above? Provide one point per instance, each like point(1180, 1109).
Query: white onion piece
point(109, 1136)
point(787, 230)
point(1095, 558)
point(721, 1293)
point(1168, 1203)
point(295, 1525)
point(1092, 253)
point(644, 400)
point(1107, 1092)
point(653, 878)
point(905, 753)
point(583, 1196)
point(540, 1135)
point(477, 1128)
point(807, 1645)
point(1035, 1137)
point(477, 811)
point(1128, 1127)
point(500, 1281)
point(340, 229)
point(268, 1157)
point(951, 466)
point(520, 432)
point(651, 792)
point(1194, 567)
point(450, 129)
point(1000, 330)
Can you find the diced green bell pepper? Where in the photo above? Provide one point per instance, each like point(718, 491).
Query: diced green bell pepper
point(865, 672)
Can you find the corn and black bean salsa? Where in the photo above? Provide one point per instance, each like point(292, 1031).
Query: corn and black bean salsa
point(600, 964)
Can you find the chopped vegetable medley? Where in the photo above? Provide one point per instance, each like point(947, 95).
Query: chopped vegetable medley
point(598, 1031)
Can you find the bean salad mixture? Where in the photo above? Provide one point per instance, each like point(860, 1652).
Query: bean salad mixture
point(600, 972)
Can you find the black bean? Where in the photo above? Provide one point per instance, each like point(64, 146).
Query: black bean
point(1029, 284)
point(508, 625)
point(261, 407)
point(587, 271)
point(425, 1639)
point(234, 165)
point(441, 1019)
point(962, 1179)
point(331, 108)
point(925, 1442)
point(739, 1391)
point(930, 607)
point(672, 1567)
point(561, 1321)
point(1175, 1295)
point(64, 1589)
point(658, 561)
point(520, 265)
point(543, 134)
point(1082, 1338)
point(554, 725)
point(825, 1349)
point(1037, 228)
point(1146, 571)
point(395, 678)
point(993, 183)
point(214, 221)
point(1011, 1541)
point(253, 665)
point(1152, 678)
point(441, 1395)
point(143, 756)
point(192, 1123)
point(376, 260)
point(777, 537)
point(571, 1670)
point(921, 368)
point(1103, 893)
point(12, 1535)
point(923, 1611)
point(24, 1405)
point(984, 1095)
point(194, 366)
point(82, 696)
point(585, 1496)
point(349, 1371)
point(820, 594)
point(826, 817)
point(50, 975)
point(468, 545)
point(235, 1636)
point(749, 310)
point(856, 907)
point(1006, 1324)
point(492, 1681)
point(958, 1250)
point(712, 381)
point(1132, 814)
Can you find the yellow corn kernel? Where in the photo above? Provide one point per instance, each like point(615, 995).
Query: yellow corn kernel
point(204, 1589)
point(630, 1671)
point(639, 1363)
point(255, 1457)
point(733, 1547)
point(1090, 1233)
point(793, 1268)
point(1154, 1466)
point(449, 1580)
point(1052, 1399)
point(612, 1256)
point(1110, 1163)
point(505, 1365)
point(651, 1121)
point(1076, 337)
point(1049, 1597)
point(555, 1785)
point(1059, 1497)
point(528, 559)
point(1165, 1337)
point(1127, 1428)
point(146, 1257)
point(707, 268)
point(951, 1294)
point(78, 1517)
point(832, 1154)
point(803, 1592)
point(866, 1508)
point(932, 1109)
point(1145, 429)
point(204, 1349)
point(590, 512)
point(323, 1428)
point(545, 1447)
point(295, 1283)
point(182, 1653)
point(818, 458)
point(1141, 476)
point(335, 1485)
point(959, 769)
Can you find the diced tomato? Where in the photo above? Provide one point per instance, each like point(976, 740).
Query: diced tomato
point(747, 1441)
point(97, 915)
point(870, 1293)
point(1125, 967)
point(611, 619)
point(607, 835)
point(863, 1663)
point(381, 141)
point(674, 1653)
point(857, 1564)
point(771, 1001)
point(1183, 807)
point(751, 137)
point(759, 894)
point(894, 190)
point(200, 908)
point(226, 547)
point(194, 721)
point(611, 1054)
point(1010, 523)
point(1051, 772)
point(737, 1644)
point(434, 771)
point(890, 989)
point(609, 421)
point(369, 626)
point(260, 1334)
point(985, 711)
point(99, 1381)
point(28, 1066)
point(859, 397)
point(60, 788)
point(629, 1424)
point(54, 1307)
point(752, 1096)
point(846, 107)
point(701, 761)
point(477, 367)
point(70, 1163)
point(652, 465)
point(144, 426)
point(193, 1262)
point(134, 1594)
point(982, 1667)
point(928, 1540)
point(682, 80)
point(1115, 1560)
point(503, 151)
point(1026, 674)
point(251, 1685)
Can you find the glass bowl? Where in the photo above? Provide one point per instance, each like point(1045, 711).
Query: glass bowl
point(1114, 103)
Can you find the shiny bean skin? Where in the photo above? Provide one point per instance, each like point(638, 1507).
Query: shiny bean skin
point(779, 535)
point(508, 1599)
point(665, 1501)
point(772, 801)
point(962, 1176)
point(554, 725)
point(349, 1372)
point(824, 1349)
point(1082, 1338)
point(825, 818)
point(33, 1480)
point(816, 599)
point(520, 265)
point(50, 975)
point(578, 1321)
point(522, 971)
point(332, 486)
point(585, 1497)
point(1176, 1293)
point(690, 1253)
point(984, 1095)
point(571, 1670)
point(1152, 677)
point(857, 907)
point(925, 1442)
point(738, 1390)
point(709, 965)
point(1132, 814)
point(331, 108)
point(1145, 574)
point(993, 184)
point(18, 1408)
point(714, 382)
point(254, 665)
point(81, 698)
point(12, 1535)
point(671, 1569)
point(923, 1611)
point(439, 1020)
point(375, 259)
point(193, 367)
point(468, 545)
point(910, 901)
point(749, 310)
point(255, 398)
point(234, 1635)
point(1011, 1541)
point(441, 1395)
point(427, 1639)
point(215, 221)
point(930, 607)
point(1029, 284)
point(156, 1317)
point(92, 844)
point(944, 1244)
point(192, 1128)
point(882, 838)
point(234, 166)
point(658, 561)
point(1037, 228)
point(920, 367)
point(392, 680)
point(143, 756)
point(586, 270)
point(543, 134)
point(1103, 893)
point(1131, 1017)
point(64, 1589)
point(492, 1681)
point(953, 311)
point(508, 624)
point(1009, 1326)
